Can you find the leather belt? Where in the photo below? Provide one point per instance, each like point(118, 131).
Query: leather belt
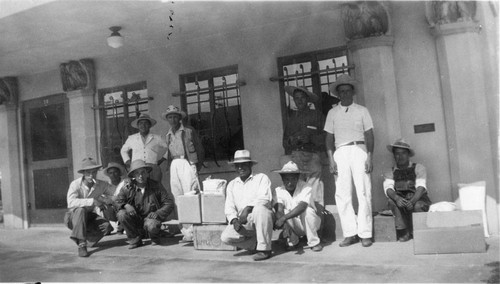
point(353, 143)
point(178, 157)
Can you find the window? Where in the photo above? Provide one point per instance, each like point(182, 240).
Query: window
point(211, 99)
point(118, 107)
point(314, 70)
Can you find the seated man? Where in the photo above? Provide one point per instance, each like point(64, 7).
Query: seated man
point(405, 187)
point(85, 194)
point(116, 173)
point(248, 208)
point(296, 212)
point(143, 205)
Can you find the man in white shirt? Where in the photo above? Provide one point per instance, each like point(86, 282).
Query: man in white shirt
point(248, 209)
point(296, 212)
point(145, 146)
point(116, 173)
point(85, 194)
point(350, 143)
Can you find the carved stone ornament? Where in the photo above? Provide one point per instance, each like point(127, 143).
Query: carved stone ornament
point(364, 19)
point(445, 12)
point(77, 75)
point(9, 92)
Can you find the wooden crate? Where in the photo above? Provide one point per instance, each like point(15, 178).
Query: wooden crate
point(207, 237)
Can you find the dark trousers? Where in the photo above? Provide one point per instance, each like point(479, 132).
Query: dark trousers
point(85, 225)
point(137, 227)
point(403, 216)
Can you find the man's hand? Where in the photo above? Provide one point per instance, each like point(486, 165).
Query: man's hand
point(333, 167)
point(152, 215)
point(279, 223)
point(130, 210)
point(106, 199)
point(98, 202)
point(401, 202)
point(410, 205)
point(236, 224)
point(368, 164)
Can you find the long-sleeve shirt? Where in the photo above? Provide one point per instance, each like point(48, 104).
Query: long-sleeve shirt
point(256, 190)
point(153, 198)
point(79, 195)
point(150, 152)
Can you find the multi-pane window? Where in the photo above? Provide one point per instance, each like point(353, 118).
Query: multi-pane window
point(118, 107)
point(211, 99)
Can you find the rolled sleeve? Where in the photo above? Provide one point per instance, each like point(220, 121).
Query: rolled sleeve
point(388, 182)
point(421, 174)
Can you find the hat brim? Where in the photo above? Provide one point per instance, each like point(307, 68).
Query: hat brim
point(135, 121)
point(96, 167)
point(131, 173)
point(181, 113)
point(291, 89)
point(391, 147)
point(242, 161)
point(121, 168)
point(333, 86)
point(290, 172)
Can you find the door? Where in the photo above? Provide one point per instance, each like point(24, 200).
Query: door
point(47, 137)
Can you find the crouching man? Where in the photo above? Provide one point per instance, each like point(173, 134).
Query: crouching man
point(248, 209)
point(143, 205)
point(296, 212)
point(85, 195)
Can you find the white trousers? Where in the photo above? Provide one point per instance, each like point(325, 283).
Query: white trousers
point(183, 177)
point(307, 224)
point(255, 234)
point(351, 167)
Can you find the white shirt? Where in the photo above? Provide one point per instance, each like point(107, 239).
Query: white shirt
point(421, 178)
point(348, 124)
point(302, 193)
point(150, 152)
point(79, 195)
point(254, 191)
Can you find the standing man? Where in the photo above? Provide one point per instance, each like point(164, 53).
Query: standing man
point(248, 209)
point(143, 205)
point(85, 194)
point(145, 146)
point(304, 138)
point(350, 143)
point(406, 189)
point(296, 212)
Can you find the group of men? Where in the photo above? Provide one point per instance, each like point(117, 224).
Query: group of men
point(253, 208)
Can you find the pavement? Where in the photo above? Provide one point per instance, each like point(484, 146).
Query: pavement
point(46, 254)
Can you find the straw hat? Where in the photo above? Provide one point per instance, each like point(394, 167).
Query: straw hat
point(343, 79)
point(121, 168)
point(143, 116)
point(291, 89)
point(242, 156)
point(290, 168)
point(171, 109)
point(138, 164)
point(88, 164)
point(400, 143)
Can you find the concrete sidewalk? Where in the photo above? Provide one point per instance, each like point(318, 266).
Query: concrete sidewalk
point(48, 255)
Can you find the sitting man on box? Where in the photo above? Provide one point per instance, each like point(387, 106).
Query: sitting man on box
point(143, 205)
point(405, 187)
point(248, 208)
point(296, 212)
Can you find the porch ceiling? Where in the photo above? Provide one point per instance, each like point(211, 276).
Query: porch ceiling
point(41, 34)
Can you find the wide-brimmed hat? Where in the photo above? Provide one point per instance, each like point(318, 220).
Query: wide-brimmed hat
point(88, 164)
point(138, 164)
point(121, 168)
point(242, 156)
point(291, 89)
point(343, 79)
point(401, 143)
point(290, 168)
point(171, 109)
point(143, 116)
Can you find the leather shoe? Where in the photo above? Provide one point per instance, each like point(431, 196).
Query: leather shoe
point(366, 242)
point(135, 245)
point(404, 238)
point(349, 241)
point(317, 247)
point(262, 255)
point(82, 251)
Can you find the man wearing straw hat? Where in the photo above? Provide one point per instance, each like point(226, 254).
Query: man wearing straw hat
point(405, 187)
point(350, 143)
point(304, 138)
point(296, 212)
point(145, 146)
point(85, 194)
point(143, 205)
point(116, 172)
point(248, 209)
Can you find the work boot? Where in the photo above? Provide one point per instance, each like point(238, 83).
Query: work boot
point(405, 236)
point(262, 255)
point(349, 241)
point(366, 242)
point(82, 250)
point(317, 248)
point(135, 243)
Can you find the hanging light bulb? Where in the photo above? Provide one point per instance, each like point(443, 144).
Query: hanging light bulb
point(115, 40)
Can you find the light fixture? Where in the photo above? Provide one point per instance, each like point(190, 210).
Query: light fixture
point(115, 40)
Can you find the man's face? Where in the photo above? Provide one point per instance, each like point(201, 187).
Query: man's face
point(144, 126)
point(114, 175)
point(345, 93)
point(141, 176)
point(174, 120)
point(89, 176)
point(244, 170)
point(300, 98)
point(401, 156)
point(290, 181)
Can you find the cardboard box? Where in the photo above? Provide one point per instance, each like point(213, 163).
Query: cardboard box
point(207, 237)
point(448, 232)
point(189, 209)
point(212, 208)
point(384, 228)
